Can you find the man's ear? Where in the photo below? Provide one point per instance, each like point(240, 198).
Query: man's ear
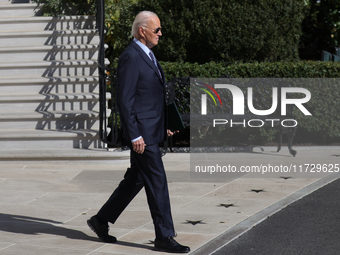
point(141, 32)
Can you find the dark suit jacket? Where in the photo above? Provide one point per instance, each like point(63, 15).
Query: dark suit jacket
point(140, 96)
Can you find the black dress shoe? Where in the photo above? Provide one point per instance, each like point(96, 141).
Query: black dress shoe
point(170, 245)
point(102, 230)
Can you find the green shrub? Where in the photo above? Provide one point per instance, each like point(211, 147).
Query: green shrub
point(300, 69)
point(320, 28)
point(118, 19)
point(215, 30)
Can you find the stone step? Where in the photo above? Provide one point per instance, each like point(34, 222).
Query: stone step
point(47, 124)
point(113, 156)
point(53, 52)
point(38, 85)
point(26, 139)
point(19, 10)
point(53, 68)
point(46, 101)
point(52, 97)
point(47, 23)
point(48, 52)
point(49, 120)
point(57, 37)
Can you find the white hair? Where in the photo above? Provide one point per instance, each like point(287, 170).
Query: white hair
point(141, 20)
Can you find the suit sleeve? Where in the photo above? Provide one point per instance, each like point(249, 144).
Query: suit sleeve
point(127, 79)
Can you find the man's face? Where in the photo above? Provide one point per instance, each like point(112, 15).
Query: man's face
point(152, 32)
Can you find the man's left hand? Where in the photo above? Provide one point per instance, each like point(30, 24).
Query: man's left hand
point(170, 133)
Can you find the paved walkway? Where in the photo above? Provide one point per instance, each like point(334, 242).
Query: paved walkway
point(47, 196)
point(310, 226)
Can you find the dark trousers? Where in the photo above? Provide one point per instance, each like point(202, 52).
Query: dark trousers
point(147, 171)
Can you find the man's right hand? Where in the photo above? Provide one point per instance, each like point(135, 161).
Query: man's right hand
point(139, 145)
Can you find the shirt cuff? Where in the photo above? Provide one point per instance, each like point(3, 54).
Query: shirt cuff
point(136, 139)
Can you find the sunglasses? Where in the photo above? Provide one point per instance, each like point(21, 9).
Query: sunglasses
point(155, 31)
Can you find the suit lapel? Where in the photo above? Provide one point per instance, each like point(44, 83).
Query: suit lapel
point(149, 61)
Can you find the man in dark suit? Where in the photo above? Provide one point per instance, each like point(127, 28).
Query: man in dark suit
point(141, 103)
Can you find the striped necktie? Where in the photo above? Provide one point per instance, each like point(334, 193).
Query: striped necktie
point(152, 56)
